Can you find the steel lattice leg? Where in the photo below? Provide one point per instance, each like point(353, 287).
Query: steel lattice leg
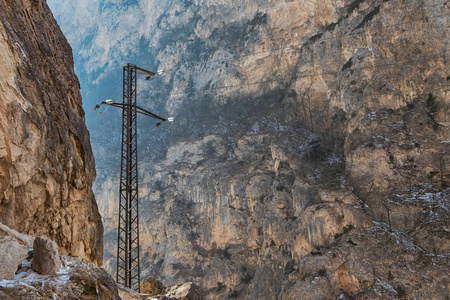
point(128, 265)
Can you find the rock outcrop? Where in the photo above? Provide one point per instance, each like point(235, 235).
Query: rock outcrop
point(43, 274)
point(14, 248)
point(46, 162)
point(12, 253)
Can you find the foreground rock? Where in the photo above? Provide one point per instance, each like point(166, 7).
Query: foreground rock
point(12, 253)
point(76, 279)
point(13, 250)
point(47, 275)
point(46, 259)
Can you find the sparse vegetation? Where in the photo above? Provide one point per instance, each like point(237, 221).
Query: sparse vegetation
point(348, 228)
point(317, 251)
point(432, 108)
point(220, 287)
point(390, 276)
point(401, 292)
point(226, 254)
point(233, 294)
point(246, 278)
point(209, 149)
point(322, 272)
point(351, 242)
point(290, 267)
point(158, 185)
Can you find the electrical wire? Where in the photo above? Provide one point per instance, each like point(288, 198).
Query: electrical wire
point(101, 112)
point(166, 130)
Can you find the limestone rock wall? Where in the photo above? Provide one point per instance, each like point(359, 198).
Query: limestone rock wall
point(46, 162)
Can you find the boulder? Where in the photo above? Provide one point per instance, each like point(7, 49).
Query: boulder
point(22, 238)
point(77, 279)
point(46, 258)
point(12, 253)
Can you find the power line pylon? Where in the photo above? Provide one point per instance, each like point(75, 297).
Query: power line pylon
point(128, 264)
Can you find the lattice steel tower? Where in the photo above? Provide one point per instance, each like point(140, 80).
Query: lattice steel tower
point(128, 267)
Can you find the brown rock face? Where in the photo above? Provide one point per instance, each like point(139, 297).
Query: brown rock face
point(46, 163)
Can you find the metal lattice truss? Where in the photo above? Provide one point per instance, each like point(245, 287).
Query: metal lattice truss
point(128, 267)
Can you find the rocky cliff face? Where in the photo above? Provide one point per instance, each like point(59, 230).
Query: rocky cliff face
point(309, 158)
point(46, 162)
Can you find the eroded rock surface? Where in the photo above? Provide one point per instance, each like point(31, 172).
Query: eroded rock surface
point(46, 162)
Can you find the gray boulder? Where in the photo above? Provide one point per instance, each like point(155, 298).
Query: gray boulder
point(46, 258)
